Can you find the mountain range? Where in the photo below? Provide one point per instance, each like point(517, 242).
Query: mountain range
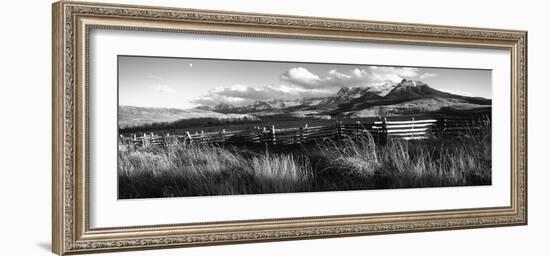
point(407, 96)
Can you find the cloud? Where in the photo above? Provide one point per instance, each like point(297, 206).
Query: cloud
point(301, 77)
point(154, 76)
point(243, 95)
point(427, 75)
point(299, 82)
point(246, 92)
point(158, 86)
point(162, 88)
point(395, 74)
point(214, 99)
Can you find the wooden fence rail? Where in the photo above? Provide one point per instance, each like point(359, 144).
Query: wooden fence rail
point(380, 130)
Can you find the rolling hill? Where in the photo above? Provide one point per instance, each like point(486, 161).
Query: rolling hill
point(130, 116)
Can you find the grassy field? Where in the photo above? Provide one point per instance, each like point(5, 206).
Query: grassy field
point(354, 164)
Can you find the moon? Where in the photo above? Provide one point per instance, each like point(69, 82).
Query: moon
point(190, 65)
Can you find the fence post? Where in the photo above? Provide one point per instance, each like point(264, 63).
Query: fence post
point(303, 137)
point(264, 140)
point(223, 135)
point(442, 126)
point(357, 128)
point(144, 139)
point(385, 131)
point(189, 137)
point(338, 130)
point(274, 138)
point(258, 132)
point(378, 130)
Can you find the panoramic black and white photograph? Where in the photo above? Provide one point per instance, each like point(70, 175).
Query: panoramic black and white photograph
point(211, 127)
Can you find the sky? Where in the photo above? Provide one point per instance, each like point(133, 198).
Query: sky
point(188, 82)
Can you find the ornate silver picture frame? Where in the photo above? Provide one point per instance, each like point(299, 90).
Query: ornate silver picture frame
point(73, 203)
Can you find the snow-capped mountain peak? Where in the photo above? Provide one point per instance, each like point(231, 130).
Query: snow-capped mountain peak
point(351, 92)
point(382, 89)
point(410, 83)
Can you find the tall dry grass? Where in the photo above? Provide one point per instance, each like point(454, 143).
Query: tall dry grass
point(205, 169)
point(359, 163)
point(447, 161)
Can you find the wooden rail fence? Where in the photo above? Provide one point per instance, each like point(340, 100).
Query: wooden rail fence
point(381, 130)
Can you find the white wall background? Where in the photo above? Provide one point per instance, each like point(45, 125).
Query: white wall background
point(25, 149)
